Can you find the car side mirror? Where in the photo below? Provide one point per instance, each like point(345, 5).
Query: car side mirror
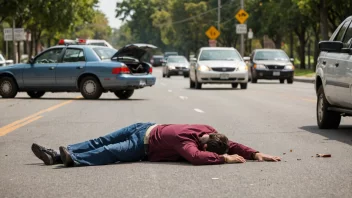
point(330, 46)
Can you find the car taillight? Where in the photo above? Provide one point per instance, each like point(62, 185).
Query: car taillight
point(150, 70)
point(121, 70)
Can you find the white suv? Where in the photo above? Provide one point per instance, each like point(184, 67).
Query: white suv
point(334, 77)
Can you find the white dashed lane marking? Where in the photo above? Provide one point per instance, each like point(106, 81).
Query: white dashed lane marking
point(169, 90)
point(199, 110)
point(183, 97)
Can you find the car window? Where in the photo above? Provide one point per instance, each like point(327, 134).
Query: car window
point(51, 56)
point(348, 37)
point(74, 55)
point(104, 53)
point(177, 60)
point(208, 55)
point(271, 55)
point(342, 31)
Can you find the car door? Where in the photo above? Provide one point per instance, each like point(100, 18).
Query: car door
point(329, 62)
point(40, 74)
point(344, 71)
point(72, 66)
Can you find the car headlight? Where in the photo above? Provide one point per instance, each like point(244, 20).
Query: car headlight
point(203, 68)
point(289, 67)
point(171, 67)
point(259, 66)
point(243, 68)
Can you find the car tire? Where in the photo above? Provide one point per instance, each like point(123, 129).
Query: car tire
point(197, 84)
point(244, 85)
point(326, 119)
point(282, 81)
point(36, 94)
point(8, 87)
point(186, 76)
point(90, 88)
point(254, 80)
point(124, 94)
point(290, 80)
point(234, 85)
point(163, 75)
point(192, 84)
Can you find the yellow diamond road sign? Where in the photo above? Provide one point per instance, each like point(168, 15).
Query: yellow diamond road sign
point(212, 33)
point(242, 16)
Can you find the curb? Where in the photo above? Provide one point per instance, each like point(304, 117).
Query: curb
point(305, 80)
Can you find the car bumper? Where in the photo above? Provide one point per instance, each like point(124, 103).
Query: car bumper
point(212, 77)
point(127, 81)
point(273, 74)
point(178, 72)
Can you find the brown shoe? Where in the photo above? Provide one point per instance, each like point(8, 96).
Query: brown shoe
point(66, 157)
point(48, 156)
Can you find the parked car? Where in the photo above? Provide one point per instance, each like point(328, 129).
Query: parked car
point(218, 65)
point(4, 62)
point(156, 60)
point(85, 42)
point(271, 64)
point(91, 70)
point(176, 66)
point(333, 79)
point(167, 54)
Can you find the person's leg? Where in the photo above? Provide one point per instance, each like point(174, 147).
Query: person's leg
point(129, 150)
point(111, 138)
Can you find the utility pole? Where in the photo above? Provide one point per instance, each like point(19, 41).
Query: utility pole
point(13, 42)
point(242, 35)
point(219, 14)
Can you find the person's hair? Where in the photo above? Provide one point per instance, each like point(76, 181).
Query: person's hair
point(217, 143)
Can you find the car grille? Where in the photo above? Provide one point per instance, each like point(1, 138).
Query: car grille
point(223, 69)
point(278, 67)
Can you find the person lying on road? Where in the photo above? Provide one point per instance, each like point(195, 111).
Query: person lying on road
point(196, 143)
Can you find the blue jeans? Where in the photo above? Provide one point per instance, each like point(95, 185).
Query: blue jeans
point(123, 145)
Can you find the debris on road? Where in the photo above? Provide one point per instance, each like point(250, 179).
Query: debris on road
point(299, 159)
point(284, 153)
point(291, 150)
point(323, 155)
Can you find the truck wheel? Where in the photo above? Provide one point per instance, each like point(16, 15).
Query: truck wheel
point(282, 81)
point(326, 119)
point(8, 87)
point(36, 94)
point(90, 88)
point(290, 80)
point(244, 85)
point(124, 94)
point(234, 85)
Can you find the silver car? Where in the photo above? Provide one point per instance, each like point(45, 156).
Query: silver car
point(218, 65)
point(176, 66)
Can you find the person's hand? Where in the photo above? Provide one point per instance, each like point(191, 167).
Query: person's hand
point(234, 159)
point(264, 157)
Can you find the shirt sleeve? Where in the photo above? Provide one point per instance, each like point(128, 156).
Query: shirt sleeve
point(191, 153)
point(242, 150)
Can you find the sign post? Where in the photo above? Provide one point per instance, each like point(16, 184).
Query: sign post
point(212, 34)
point(241, 17)
point(250, 37)
point(9, 34)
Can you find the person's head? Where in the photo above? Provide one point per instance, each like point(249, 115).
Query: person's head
point(216, 143)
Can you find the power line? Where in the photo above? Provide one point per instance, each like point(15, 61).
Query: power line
point(190, 18)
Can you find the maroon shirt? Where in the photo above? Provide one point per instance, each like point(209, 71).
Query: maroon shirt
point(174, 142)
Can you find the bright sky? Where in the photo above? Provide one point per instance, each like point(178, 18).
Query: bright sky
point(108, 8)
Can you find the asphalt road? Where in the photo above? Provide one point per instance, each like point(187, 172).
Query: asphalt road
point(270, 117)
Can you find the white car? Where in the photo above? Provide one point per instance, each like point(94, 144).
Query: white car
point(218, 65)
point(4, 62)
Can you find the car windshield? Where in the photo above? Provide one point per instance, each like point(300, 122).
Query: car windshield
point(209, 55)
point(104, 53)
point(271, 55)
point(177, 60)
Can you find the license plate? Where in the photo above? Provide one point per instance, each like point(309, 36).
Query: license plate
point(276, 73)
point(224, 76)
point(142, 82)
point(180, 72)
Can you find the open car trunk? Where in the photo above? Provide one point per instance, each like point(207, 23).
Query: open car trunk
point(131, 55)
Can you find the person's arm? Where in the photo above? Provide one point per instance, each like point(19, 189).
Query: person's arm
point(242, 150)
point(191, 153)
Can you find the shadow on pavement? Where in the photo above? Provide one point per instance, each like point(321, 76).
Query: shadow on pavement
point(213, 88)
point(343, 134)
point(78, 99)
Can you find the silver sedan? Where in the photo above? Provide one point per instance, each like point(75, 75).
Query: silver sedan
point(218, 65)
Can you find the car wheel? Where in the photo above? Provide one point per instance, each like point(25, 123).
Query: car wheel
point(290, 80)
point(282, 81)
point(191, 84)
point(91, 88)
point(36, 94)
point(8, 87)
point(244, 85)
point(186, 76)
point(234, 85)
point(254, 80)
point(326, 119)
point(197, 84)
point(124, 94)
point(163, 75)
